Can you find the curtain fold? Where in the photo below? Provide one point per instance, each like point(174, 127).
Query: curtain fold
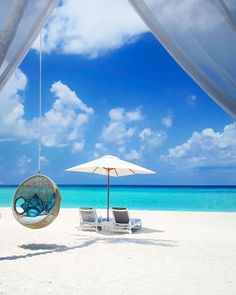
point(20, 23)
point(201, 36)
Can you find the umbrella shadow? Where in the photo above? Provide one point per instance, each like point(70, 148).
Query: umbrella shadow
point(45, 249)
point(143, 230)
point(121, 238)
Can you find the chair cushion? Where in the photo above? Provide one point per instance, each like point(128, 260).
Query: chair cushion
point(33, 212)
point(34, 206)
point(50, 204)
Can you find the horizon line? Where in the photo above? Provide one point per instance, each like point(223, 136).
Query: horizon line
point(139, 185)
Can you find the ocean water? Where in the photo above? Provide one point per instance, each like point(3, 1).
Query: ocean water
point(210, 198)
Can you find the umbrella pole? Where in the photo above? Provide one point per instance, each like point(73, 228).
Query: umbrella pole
point(108, 193)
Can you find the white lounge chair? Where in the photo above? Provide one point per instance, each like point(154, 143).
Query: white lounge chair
point(122, 221)
point(89, 219)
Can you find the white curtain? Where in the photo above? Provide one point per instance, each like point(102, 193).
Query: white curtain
point(201, 36)
point(20, 23)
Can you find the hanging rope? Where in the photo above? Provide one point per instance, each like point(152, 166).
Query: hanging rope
point(40, 102)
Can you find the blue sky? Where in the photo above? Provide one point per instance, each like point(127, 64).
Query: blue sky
point(118, 93)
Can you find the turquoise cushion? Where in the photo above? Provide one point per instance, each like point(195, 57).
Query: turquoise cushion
point(33, 206)
point(24, 205)
point(32, 212)
point(51, 203)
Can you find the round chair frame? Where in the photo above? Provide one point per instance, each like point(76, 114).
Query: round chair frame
point(44, 220)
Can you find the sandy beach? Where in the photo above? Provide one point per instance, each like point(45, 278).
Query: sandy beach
point(175, 253)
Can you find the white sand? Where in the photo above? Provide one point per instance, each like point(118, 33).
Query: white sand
point(176, 253)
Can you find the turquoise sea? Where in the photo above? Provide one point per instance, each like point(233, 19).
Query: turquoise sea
point(174, 198)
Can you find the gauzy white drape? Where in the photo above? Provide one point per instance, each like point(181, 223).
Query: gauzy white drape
point(20, 23)
point(201, 36)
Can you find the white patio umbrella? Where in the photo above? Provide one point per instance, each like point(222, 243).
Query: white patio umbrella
point(110, 166)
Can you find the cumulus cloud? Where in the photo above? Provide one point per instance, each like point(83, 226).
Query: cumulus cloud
point(122, 135)
point(167, 121)
point(99, 149)
point(77, 27)
point(207, 148)
point(78, 146)
point(62, 125)
point(151, 139)
point(12, 122)
point(121, 115)
point(99, 146)
point(133, 155)
point(118, 130)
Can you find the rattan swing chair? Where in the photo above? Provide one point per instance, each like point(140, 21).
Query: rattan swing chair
point(36, 202)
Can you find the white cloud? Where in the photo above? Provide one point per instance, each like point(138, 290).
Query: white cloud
point(133, 155)
point(121, 136)
point(118, 130)
point(151, 139)
point(100, 147)
point(121, 115)
point(206, 149)
point(82, 27)
point(117, 114)
point(134, 115)
point(12, 122)
point(191, 99)
point(78, 146)
point(167, 121)
point(62, 125)
point(23, 164)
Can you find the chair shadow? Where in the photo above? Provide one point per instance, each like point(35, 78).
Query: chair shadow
point(45, 249)
point(147, 230)
point(143, 230)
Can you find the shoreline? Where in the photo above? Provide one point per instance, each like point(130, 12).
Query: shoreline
point(141, 210)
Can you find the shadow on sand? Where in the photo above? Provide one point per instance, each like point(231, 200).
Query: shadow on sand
point(147, 230)
point(86, 241)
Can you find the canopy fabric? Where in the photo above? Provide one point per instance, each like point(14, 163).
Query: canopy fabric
point(20, 23)
point(201, 36)
point(115, 165)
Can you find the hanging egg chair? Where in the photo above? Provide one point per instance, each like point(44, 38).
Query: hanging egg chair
point(36, 202)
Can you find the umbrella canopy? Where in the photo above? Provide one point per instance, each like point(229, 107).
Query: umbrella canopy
point(110, 166)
